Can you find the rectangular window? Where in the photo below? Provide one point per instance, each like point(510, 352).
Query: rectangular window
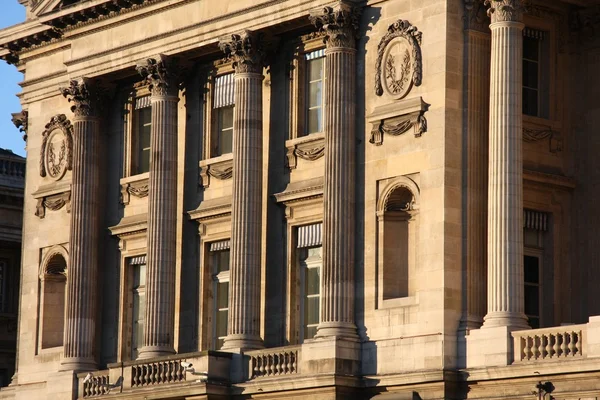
point(223, 106)
point(535, 224)
point(220, 264)
point(310, 263)
point(531, 275)
point(142, 120)
point(535, 73)
point(315, 75)
point(138, 267)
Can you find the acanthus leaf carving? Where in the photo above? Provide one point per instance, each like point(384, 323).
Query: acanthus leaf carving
point(506, 10)
point(246, 50)
point(84, 96)
point(399, 64)
point(161, 74)
point(339, 23)
point(21, 121)
point(476, 16)
point(56, 153)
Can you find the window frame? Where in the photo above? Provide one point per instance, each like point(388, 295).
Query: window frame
point(211, 118)
point(539, 254)
point(131, 131)
point(131, 301)
point(217, 279)
point(303, 266)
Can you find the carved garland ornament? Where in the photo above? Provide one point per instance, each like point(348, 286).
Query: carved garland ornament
point(56, 154)
point(399, 63)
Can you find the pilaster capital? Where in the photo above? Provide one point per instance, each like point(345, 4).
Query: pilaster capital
point(506, 10)
point(246, 48)
point(20, 120)
point(83, 93)
point(475, 16)
point(161, 73)
point(339, 23)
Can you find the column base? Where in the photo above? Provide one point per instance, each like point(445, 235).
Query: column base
point(242, 342)
point(78, 364)
point(345, 330)
point(512, 320)
point(155, 351)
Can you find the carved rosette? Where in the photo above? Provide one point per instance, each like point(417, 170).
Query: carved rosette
point(399, 62)
point(82, 93)
point(20, 120)
point(339, 24)
point(246, 50)
point(56, 153)
point(506, 10)
point(160, 73)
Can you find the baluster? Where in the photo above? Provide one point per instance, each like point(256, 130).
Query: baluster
point(288, 364)
point(280, 363)
point(571, 344)
point(550, 345)
point(522, 348)
point(557, 339)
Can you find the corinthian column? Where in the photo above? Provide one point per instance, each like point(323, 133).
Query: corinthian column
point(243, 330)
point(86, 195)
point(337, 296)
point(505, 187)
point(162, 209)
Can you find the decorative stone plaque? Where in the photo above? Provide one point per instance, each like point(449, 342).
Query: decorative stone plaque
point(57, 148)
point(399, 63)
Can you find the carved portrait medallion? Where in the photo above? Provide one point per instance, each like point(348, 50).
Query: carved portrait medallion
point(57, 148)
point(399, 65)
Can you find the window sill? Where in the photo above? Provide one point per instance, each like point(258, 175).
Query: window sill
point(135, 185)
point(220, 168)
point(398, 302)
point(310, 147)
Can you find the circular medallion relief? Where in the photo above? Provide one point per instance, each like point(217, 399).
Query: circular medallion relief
point(398, 68)
point(55, 158)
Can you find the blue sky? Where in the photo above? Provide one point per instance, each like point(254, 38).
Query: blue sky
point(10, 137)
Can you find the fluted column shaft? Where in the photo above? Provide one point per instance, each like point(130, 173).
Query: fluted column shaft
point(162, 212)
point(81, 306)
point(478, 94)
point(505, 187)
point(246, 214)
point(243, 329)
point(339, 23)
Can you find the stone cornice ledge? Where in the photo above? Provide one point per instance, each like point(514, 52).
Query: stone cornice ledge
point(544, 178)
point(303, 190)
point(130, 225)
point(213, 208)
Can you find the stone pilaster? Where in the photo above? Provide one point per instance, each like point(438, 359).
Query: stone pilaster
point(162, 209)
point(477, 127)
point(86, 202)
point(243, 331)
point(339, 24)
point(505, 186)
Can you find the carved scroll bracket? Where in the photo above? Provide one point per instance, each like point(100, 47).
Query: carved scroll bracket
point(310, 148)
point(220, 168)
point(398, 118)
point(137, 188)
point(52, 197)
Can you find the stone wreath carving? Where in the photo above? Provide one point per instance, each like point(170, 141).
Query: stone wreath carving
point(399, 63)
point(56, 154)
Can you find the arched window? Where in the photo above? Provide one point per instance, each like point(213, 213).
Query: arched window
point(53, 285)
point(397, 224)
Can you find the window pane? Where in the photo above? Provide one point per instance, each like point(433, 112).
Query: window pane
point(222, 261)
point(530, 102)
point(532, 269)
point(310, 332)
point(530, 238)
point(531, 49)
point(532, 300)
point(225, 118)
point(315, 120)
point(225, 131)
point(315, 94)
point(222, 323)
point(530, 74)
point(226, 142)
point(223, 295)
point(312, 281)
point(311, 311)
point(315, 69)
point(139, 275)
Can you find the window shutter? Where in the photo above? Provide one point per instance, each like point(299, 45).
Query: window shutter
point(310, 235)
point(224, 88)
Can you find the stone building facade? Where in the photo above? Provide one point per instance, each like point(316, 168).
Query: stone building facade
point(309, 199)
point(12, 185)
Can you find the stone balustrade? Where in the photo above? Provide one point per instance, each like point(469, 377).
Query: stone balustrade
point(96, 385)
point(559, 343)
point(157, 373)
point(274, 362)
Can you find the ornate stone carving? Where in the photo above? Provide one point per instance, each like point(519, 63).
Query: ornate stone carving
point(396, 119)
point(137, 189)
point(308, 148)
point(246, 51)
point(399, 63)
point(339, 23)
point(535, 135)
point(56, 153)
point(20, 120)
point(506, 10)
point(221, 170)
point(53, 202)
point(476, 16)
point(82, 93)
point(161, 73)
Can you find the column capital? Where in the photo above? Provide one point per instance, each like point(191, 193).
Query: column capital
point(339, 23)
point(246, 48)
point(20, 120)
point(161, 73)
point(84, 95)
point(506, 10)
